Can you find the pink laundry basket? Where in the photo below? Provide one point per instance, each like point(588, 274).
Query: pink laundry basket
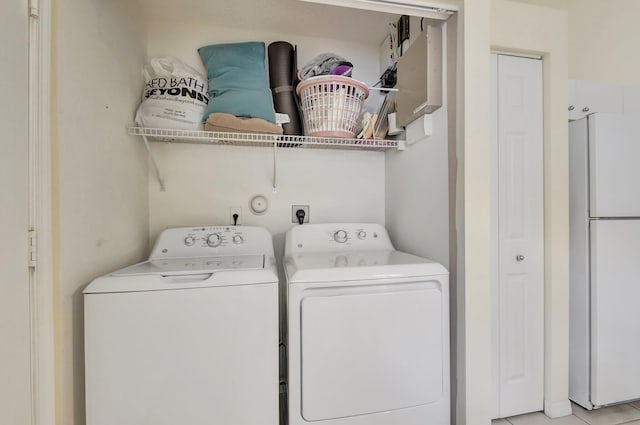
point(331, 105)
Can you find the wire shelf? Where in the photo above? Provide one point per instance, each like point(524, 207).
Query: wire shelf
point(251, 139)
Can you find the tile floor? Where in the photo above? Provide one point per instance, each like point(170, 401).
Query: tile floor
point(628, 414)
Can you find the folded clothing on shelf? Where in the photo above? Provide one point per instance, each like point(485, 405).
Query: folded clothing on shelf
point(326, 64)
point(227, 123)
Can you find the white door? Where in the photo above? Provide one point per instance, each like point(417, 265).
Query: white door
point(615, 317)
point(518, 239)
point(614, 171)
point(15, 390)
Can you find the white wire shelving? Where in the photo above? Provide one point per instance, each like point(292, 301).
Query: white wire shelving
point(251, 139)
point(267, 140)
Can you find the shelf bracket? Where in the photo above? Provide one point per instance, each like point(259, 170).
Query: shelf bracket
point(275, 166)
point(155, 164)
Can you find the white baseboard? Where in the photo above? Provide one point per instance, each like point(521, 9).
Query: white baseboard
point(557, 409)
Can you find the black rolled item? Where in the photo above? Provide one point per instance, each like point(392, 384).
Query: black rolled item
point(282, 77)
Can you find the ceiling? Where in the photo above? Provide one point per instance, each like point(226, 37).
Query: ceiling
point(554, 4)
point(282, 16)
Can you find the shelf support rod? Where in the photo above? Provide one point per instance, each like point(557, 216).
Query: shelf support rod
point(275, 165)
point(155, 164)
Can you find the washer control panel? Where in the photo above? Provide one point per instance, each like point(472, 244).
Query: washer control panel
point(337, 237)
point(358, 235)
point(212, 241)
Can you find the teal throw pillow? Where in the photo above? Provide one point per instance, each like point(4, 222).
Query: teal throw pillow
point(238, 80)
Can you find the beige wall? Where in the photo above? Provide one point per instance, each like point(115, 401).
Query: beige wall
point(203, 182)
point(523, 28)
point(603, 40)
point(100, 174)
point(15, 288)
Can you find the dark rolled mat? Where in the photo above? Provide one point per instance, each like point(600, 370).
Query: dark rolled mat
point(282, 76)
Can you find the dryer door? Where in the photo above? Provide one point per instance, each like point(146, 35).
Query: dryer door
point(371, 348)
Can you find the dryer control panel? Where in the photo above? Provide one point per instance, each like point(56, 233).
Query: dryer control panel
point(337, 237)
point(212, 241)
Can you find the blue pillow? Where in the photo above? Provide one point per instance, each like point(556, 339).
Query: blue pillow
point(238, 80)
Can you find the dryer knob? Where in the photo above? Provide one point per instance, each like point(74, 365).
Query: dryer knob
point(189, 241)
point(214, 240)
point(237, 239)
point(361, 234)
point(340, 236)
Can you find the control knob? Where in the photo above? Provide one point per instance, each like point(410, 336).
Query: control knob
point(340, 236)
point(237, 239)
point(214, 240)
point(361, 234)
point(189, 241)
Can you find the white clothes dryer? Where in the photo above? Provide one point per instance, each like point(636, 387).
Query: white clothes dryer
point(368, 329)
point(188, 337)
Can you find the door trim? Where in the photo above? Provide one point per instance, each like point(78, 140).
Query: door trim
point(40, 216)
point(517, 55)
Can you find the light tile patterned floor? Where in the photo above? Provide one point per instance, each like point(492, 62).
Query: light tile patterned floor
point(540, 418)
point(613, 415)
point(627, 414)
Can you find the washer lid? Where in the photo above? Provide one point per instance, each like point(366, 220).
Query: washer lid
point(188, 266)
point(188, 273)
point(349, 266)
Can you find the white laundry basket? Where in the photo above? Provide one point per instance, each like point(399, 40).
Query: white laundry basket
point(331, 105)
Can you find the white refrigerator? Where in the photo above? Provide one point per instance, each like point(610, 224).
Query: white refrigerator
point(605, 259)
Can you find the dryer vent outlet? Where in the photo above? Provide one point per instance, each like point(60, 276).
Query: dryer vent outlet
point(295, 214)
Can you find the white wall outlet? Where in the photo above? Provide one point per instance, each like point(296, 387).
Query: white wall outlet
point(235, 210)
point(294, 212)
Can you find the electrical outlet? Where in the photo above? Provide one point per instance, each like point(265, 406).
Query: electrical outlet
point(294, 210)
point(235, 210)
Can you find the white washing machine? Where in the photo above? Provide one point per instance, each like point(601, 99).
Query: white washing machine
point(189, 337)
point(368, 329)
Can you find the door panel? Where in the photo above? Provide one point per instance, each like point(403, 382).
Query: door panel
point(15, 401)
point(182, 357)
point(368, 351)
point(614, 156)
point(518, 284)
point(615, 319)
